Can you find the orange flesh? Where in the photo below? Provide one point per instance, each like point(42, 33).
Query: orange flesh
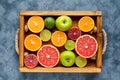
point(32, 42)
point(58, 38)
point(35, 24)
point(86, 24)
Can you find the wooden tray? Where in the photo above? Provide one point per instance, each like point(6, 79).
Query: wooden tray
point(93, 66)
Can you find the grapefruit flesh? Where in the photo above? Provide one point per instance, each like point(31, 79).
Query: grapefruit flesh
point(86, 24)
point(30, 61)
point(35, 24)
point(48, 56)
point(59, 38)
point(86, 46)
point(74, 33)
point(32, 42)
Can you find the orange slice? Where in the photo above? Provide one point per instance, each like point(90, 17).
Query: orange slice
point(32, 42)
point(86, 24)
point(35, 24)
point(58, 38)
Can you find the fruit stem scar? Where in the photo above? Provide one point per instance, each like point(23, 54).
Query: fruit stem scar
point(32, 42)
point(64, 21)
point(35, 23)
point(67, 59)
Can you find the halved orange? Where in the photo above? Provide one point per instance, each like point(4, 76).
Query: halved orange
point(35, 24)
point(86, 24)
point(32, 42)
point(58, 38)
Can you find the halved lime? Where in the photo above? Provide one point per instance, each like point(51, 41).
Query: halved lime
point(45, 35)
point(80, 62)
point(69, 45)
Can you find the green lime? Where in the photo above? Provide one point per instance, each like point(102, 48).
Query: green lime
point(69, 45)
point(50, 22)
point(80, 62)
point(45, 35)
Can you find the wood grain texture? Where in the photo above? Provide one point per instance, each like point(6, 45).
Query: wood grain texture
point(99, 40)
point(56, 13)
point(91, 68)
point(21, 41)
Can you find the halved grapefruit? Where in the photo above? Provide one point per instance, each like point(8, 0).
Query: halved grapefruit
point(74, 33)
point(30, 60)
point(86, 46)
point(48, 56)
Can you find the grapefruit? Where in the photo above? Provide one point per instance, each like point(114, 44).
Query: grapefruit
point(86, 46)
point(59, 38)
point(32, 42)
point(74, 33)
point(30, 61)
point(86, 24)
point(35, 24)
point(48, 56)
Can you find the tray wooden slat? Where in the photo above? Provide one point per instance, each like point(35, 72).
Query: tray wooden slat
point(90, 68)
point(56, 13)
point(99, 40)
point(21, 41)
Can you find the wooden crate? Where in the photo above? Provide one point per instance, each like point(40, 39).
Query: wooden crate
point(93, 66)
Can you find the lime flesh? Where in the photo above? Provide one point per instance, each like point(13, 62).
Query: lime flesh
point(45, 35)
point(80, 62)
point(69, 45)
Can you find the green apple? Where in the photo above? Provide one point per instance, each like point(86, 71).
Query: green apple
point(67, 58)
point(64, 23)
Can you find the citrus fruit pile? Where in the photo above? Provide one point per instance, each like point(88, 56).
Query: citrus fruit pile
point(52, 40)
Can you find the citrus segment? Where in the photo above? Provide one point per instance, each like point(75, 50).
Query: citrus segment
point(86, 24)
point(58, 38)
point(80, 62)
point(45, 35)
point(86, 46)
point(32, 42)
point(30, 61)
point(35, 24)
point(48, 56)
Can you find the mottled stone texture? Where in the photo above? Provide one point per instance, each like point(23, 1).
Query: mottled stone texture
point(9, 22)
